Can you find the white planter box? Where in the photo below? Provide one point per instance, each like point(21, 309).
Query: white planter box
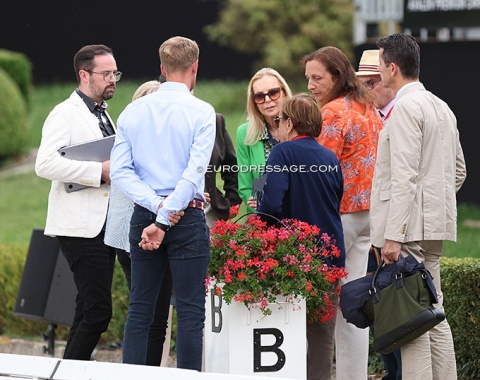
point(245, 342)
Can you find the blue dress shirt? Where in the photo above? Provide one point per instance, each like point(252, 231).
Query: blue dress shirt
point(163, 147)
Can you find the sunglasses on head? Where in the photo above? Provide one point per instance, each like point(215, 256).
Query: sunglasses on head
point(273, 94)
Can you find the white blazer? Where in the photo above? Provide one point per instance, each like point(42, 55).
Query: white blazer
point(81, 213)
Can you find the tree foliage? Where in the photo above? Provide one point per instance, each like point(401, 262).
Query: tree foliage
point(278, 33)
point(14, 126)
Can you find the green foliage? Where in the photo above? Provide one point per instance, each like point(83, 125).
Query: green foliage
point(23, 206)
point(375, 363)
point(280, 32)
point(461, 286)
point(120, 300)
point(12, 260)
point(19, 68)
point(253, 263)
point(227, 97)
point(224, 96)
point(468, 241)
point(13, 120)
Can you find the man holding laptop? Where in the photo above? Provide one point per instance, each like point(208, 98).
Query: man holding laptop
point(77, 218)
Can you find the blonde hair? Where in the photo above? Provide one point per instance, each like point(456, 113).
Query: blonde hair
point(146, 88)
point(256, 121)
point(178, 54)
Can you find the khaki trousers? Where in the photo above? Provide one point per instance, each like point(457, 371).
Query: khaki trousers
point(432, 355)
point(352, 343)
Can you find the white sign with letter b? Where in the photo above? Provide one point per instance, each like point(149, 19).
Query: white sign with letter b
point(246, 342)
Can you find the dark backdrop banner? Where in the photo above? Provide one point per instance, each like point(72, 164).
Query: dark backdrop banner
point(441, 13)
point(448, 69)
point(51, 32)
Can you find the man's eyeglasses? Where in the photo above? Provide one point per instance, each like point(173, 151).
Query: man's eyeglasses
point(277, 120)
point(370, 84)
point(108, 75)
point(273, 94)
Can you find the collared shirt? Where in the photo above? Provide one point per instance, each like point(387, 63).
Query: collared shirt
point(163, 146)
point(403, 88)
point(99, 111)
point(387, 110)
point(351, 130)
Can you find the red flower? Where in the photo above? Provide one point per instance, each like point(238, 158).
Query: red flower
point(234, 210)
point(308, 287)
point(255, 262)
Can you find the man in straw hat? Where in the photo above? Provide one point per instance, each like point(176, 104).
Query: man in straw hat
point(352, 342)
point(385, 99)
point(370, 76)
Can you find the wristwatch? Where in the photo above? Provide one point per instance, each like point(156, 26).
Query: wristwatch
point(163, 227)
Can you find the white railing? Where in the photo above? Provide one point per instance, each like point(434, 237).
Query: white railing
point(380, 10)
point(375, 11)
point(22, 367)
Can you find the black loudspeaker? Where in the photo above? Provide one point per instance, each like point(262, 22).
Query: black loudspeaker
point(47, 291)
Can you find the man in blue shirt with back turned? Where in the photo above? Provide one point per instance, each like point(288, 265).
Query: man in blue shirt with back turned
point(161, 153)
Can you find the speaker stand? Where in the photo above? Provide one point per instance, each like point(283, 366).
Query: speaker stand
point(49, 337)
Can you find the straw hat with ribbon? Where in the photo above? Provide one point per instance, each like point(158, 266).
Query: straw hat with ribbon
point(369, 63)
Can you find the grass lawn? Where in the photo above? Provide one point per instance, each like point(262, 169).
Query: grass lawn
point(24, 196)
point(24, 206)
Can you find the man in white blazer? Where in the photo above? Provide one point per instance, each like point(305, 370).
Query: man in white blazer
point(420, 167)
point(77, 218)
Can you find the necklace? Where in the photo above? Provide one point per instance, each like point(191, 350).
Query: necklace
point(273, 132)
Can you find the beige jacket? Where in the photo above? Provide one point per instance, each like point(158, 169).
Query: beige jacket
point(420, 167)
point(80, 213)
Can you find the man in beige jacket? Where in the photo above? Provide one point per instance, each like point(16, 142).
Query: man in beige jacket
point(419, 169)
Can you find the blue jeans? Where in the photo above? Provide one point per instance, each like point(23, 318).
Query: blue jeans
point(186, 248)
point(158, 328)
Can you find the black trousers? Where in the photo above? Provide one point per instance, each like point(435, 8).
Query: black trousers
point(92, 263)
point(158, 328)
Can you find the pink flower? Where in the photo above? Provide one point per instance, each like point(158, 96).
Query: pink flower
point(254, 262)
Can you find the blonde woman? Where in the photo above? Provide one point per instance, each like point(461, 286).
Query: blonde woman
point(256, 138)
point(120, 207)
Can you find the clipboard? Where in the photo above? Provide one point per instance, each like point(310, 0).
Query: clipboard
point(94, 150)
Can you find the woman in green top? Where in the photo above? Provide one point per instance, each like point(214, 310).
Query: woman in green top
point(255, 139)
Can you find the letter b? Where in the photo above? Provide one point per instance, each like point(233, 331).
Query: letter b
point(258, 349)
point(216, 311)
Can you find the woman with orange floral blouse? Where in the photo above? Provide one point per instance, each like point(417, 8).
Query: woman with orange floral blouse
point(350, 129)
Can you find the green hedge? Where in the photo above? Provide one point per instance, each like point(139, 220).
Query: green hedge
point(460, 285)
point(461, 288)
point(18, 66)
point(12, 260)
point(13, 119)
